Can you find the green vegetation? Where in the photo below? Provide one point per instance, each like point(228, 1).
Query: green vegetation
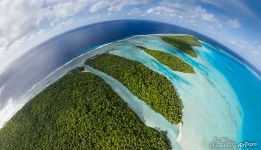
point(172, 62)
point(75, 70)
point(79, 111)
point(149, 86)
point(183, 43)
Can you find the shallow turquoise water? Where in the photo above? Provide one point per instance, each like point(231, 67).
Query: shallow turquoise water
point(215, 98)
point(55, 53)
point(247, 86)
point(147, 115)
point(217, 102)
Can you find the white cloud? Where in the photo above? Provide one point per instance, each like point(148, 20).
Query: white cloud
point(8, 111)
point(137, 12)
point(99, 6)
point(24, 20)
point(16, 19)
point(3, 44)
point(22, 17)
point(259, 48)
point(233, 23)
point(231, 6)
point(114, 5)
point(255, 52)
point(204, 15)
point(184, 12)
point(63, 10)
point(118, 5)
point(246, 48)
point(162, 11)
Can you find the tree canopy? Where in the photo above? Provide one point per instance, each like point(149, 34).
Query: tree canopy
point(79, 111)
point(151, 87)
point(183, 43)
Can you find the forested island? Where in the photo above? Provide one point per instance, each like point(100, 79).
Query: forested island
point(173, 62)
point(182, 42)
point(79, 111)
point(155, 89)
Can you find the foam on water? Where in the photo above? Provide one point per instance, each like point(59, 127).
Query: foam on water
point(8, 111)
point(12, 107)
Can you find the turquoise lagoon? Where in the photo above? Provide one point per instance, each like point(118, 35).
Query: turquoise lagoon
point(222, 99)
point(214, 97)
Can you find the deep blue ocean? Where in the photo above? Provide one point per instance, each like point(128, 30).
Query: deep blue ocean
point(42, 60)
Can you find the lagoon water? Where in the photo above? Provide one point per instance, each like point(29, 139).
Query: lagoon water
point(233, 82)
point(209, 100)
point(220, 79)
point(147, 115)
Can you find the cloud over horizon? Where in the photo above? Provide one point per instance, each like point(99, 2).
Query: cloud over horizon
point(233, 23)
point(23, 21)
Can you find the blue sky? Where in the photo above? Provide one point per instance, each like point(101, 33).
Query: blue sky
point(26, 23)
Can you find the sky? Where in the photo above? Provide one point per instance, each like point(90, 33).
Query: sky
point(26, 23)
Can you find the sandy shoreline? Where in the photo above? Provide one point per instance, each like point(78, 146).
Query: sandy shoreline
point(188, 132)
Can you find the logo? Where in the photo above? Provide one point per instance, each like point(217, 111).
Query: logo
point(225, 143)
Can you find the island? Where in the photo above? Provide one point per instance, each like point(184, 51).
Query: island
point(80, 111)
point(182, 42)
point(155, 89)
point(173, 62)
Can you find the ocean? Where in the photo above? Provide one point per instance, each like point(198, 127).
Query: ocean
point(44, 59)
